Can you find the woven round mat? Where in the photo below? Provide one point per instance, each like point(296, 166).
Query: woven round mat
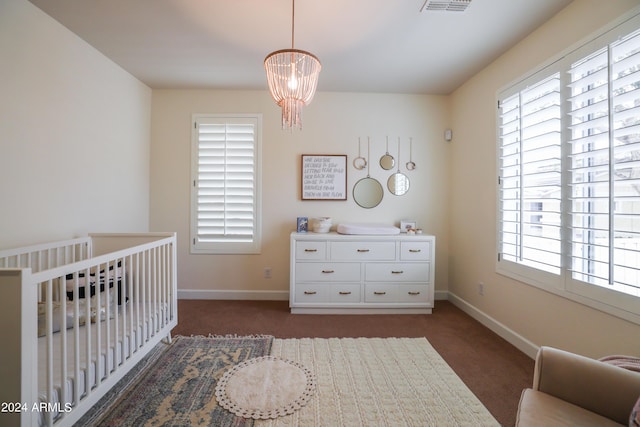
point(265, 387)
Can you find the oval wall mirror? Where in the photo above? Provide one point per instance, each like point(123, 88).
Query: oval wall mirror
point(368, 193)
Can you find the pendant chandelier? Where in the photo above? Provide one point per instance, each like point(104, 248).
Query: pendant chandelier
point(292, 76)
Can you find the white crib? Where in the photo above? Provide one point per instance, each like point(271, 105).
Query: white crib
point(76, 316)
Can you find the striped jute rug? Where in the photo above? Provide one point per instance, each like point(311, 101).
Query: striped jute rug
point(379, 382)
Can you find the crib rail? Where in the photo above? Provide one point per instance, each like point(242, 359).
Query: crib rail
point(97, 318)
point(47, 255)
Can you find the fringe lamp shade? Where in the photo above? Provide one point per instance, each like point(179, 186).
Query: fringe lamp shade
point(292, 76)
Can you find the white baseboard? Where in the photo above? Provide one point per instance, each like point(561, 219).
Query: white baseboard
point(233, 295)
point(515, 339)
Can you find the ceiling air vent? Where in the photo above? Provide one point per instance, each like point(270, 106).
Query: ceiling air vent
point(445, 5)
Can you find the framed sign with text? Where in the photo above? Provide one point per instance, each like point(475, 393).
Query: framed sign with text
point(324, 177)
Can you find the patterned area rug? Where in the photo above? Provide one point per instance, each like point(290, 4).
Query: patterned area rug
point(178, 389)
point(379, 382)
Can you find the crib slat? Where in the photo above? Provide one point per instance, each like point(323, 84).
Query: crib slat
point(63, 398)
point(49, 348)
point(88, 335)
point(76, 342)
point(143, 299)
point(98, 378)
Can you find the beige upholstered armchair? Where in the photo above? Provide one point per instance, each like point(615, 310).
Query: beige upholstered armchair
point(573, 390)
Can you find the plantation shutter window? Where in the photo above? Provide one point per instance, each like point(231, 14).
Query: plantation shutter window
point(568, 163)
point(590, 185)
point(605, 166)
point(225, 194)
point(530, 176)
point(626, 163)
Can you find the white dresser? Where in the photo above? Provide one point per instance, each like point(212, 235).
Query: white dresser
point(361, 274)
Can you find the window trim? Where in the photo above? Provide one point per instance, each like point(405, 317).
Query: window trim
point(222, 247)
point(618, 304)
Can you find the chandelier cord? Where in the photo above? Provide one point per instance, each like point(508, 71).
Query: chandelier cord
point(293, 20)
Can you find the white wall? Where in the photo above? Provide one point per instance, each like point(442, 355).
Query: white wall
point(74, 134)
point(332, 125)
point(537, 316)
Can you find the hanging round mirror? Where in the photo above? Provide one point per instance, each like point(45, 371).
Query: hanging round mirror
point(398, 183)
point(387, 161)
point(368, 191)
point(359, 162)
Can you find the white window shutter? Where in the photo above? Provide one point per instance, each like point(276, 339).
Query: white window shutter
point(569, 174)
point(226, 198)
point(625, 82)
point(530, 176)
point(605, 166)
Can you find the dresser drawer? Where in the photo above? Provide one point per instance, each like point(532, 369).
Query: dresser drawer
point(367, 251)
point(311, 293)
point(311, 250)
point(415, 251)
point(380, 293)
point(327, 272)
point(418, 293)
point(396, 293)
point(397, 272)
point(344, 293)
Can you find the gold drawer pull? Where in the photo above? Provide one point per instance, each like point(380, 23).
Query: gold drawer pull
point(363, 250)
point(414, 293)
point(379, 293)
point(311, 250)
point(415, 250)
point(397, 272)
point(345, 293)
point(328, 271)
point(310, 292)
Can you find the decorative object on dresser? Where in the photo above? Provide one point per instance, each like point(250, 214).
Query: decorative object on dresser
point(321, 224)
point(406, 225)
point(302, 224)
point(362, 274)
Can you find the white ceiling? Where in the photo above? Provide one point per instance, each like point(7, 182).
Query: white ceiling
point(364, 45)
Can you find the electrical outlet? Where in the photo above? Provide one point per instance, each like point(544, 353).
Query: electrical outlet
point(267, 272)
point(481, 288)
